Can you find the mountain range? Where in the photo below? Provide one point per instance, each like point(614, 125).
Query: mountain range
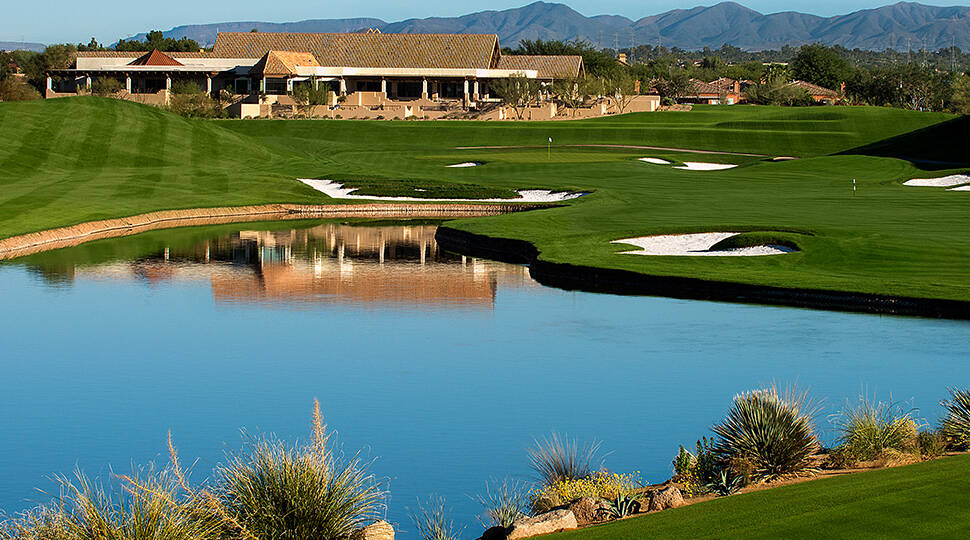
point(901, 26)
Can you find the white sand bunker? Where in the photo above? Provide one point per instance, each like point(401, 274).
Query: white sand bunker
point(695, 245)
point(655, 160)
point(465, 164)
point(961, 188)
point(336, 190)
point(699, 166)
point(943, 181)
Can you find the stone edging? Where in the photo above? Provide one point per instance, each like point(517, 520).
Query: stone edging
point(592, 279)
point(26, 244)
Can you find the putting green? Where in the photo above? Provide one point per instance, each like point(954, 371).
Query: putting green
point(72, 160)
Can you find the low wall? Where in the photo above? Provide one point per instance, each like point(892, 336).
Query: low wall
point(26, 244)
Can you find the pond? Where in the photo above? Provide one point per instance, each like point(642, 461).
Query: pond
point(442, 368)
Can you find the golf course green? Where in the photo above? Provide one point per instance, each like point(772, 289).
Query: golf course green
point(68, 161)
point(925, 500)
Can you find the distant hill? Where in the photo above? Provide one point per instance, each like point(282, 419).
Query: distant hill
point(19, 45)
point(900, 26)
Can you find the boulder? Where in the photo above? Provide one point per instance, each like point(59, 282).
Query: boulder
point(669, 497)
point(379, 530)
point(550, 522)
point(495, 533)
point(589, 510)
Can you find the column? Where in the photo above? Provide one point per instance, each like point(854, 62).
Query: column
point(87, 82)
point(168, 82)
point(262, 85)
point(384, 86)
point(475, 91)
point(50, 83)
point(208, 84)
point(424, 88)
point(466, 92)
point(343, 86)
point(128, 82)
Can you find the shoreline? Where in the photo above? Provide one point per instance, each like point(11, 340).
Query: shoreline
point(73, 235)
point(613, 281)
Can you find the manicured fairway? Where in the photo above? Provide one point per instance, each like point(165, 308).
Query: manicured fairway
point(71, 160)
point(926, 500)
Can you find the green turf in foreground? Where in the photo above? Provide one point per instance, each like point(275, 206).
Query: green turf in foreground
point(926, 500)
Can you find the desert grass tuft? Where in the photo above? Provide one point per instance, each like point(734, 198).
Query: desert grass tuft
point(275, 490)
point(433, 522)
point(559, 459)
point(504, 502)
point(870, 427)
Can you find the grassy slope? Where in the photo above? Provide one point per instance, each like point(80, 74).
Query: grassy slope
point(64, 161)
point(926, 500)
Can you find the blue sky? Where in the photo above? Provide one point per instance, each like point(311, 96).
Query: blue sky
point(108, 20)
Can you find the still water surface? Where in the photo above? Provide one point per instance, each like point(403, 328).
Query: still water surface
point(442, 368)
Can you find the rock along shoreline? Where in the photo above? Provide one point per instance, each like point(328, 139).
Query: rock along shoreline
point(61, 237)
point(613, 281)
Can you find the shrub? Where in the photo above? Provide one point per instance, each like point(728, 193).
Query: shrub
point(726, 484)
point(105, 86)
point(955, 426)
point(870, 427)
point(276, 491)
point(16, 89)
point(196, 106)
point(931, 444)
point(775, 432)
point(182, 88)
point(432, 522)
point(558, 459)
point(598, 486)
point(695, 471)
point(504, 502)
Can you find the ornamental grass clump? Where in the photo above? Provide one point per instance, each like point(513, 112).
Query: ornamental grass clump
point(869, 429)
point(146, 505)
point(278, 491)
point(558, 459)
point(432, 521)
point(774, 432)
point(504, 502)
point(955, 426)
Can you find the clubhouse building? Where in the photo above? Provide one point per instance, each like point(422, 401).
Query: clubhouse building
point(401, 75)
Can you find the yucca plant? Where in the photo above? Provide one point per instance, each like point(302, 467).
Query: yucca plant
point(955, 425)
point(432, 521)
point(558, 459)
point(623, 505)
point(277, 491)
point(504, 502)
point(726, 484)
point(776, 433)
point(869, 427)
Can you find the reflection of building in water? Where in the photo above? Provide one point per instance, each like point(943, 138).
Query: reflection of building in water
point(331, 263)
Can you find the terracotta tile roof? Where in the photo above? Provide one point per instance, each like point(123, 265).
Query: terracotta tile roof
point(282, 63)
point(549, 67)
point(814, 89)
point(155, 58)
point(715, 87)
point(368, 50)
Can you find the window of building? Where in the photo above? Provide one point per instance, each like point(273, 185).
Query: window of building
point(275, 86)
